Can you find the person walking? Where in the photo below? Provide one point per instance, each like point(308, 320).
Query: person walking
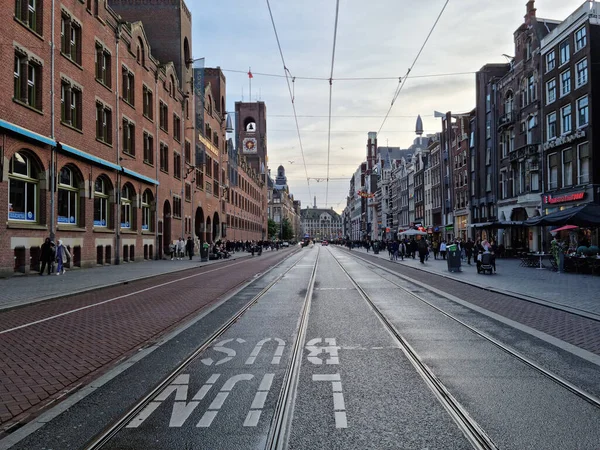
point(443, 249)
point(47, 256)
point(180, 249)
point(469, 250)
point(62, 256)
point(189, 246)
point(422, 247)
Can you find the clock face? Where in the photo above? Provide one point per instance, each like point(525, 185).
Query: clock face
point(249, 146)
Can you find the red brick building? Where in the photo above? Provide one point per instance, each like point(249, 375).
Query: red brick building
point(97, 138)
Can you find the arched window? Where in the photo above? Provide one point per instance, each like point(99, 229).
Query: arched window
point(210, 106)
point(101, 192)
point(68, 196)
point(23, 188)
point(141, 52)
point(126, 202)
point(508, 103)
point(147, 199)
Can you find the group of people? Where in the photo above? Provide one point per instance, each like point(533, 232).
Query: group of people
point(219, 249)
point(51, 254)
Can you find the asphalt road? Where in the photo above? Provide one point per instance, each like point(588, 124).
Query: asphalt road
point(355, 387)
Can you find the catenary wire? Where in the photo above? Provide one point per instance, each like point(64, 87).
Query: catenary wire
point(402, 82)
point(337, 11)
point(287, 72)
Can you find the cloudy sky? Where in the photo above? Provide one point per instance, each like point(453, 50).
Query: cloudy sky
point(375, 39)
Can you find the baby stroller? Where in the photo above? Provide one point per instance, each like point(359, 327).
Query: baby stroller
point(485, 263)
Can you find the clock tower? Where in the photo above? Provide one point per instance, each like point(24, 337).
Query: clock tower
point(251, 130)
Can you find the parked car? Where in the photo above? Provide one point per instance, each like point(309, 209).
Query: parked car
point(324, 243)
point(285, 244)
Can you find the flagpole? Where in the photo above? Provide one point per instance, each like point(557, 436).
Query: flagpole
point(250, 82)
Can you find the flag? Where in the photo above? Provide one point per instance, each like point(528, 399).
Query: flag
point(250, 74)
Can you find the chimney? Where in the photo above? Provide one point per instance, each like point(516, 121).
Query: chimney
point(530, 11)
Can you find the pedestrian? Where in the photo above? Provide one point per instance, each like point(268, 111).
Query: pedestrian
point(62, 257)
point(436, 249)
point(422, 247)
point(47, 255)
point(180, 249)
point(172, 250)
point(443, 249)
point(189, 246)
point(469, 250)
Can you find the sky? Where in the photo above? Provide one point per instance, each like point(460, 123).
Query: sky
point(375, 39)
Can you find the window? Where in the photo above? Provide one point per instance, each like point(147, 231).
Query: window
point(567, 167)
point(524, 100)
point(582, 112)
point(128, 137)
point(531, 89)
point(147, 199)
point(488, 156)
point(581, 73)
point(565, 83)
point(530, 126)
point(551, 91)
point(565, 52)
point(148, 148)
point(177, 165)
point(27, 87)
point(199, 180)
point(551, 125)
point(22, 189)
point(188, 152)
point(176, 127)
point(67, 198)
point(565, 120)
point(583, 163)
point(70, 105)
point(188, 192)
point(488, 179)
point(177, 207)
point(488, 129)
point(164, 116)
point(103, 67)
point(100, 203)
point(503, 185)
point(164, 157)
point(126, 202)
point(103, 123)
point(128, 86)
point(580, 38)
point(29, 13)
point(528, 49)
point(550, 61)
point(70, 38)
point(148, 107)
point(553, 171)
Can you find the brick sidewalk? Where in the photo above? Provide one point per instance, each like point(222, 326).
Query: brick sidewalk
point(22, 290)
point(567, 289)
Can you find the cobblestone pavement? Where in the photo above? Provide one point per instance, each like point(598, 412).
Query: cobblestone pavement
point(20, 290)
point(48, 349)
point(579, 291)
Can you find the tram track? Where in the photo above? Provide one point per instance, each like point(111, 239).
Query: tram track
point(469, 427)
point(279, 427)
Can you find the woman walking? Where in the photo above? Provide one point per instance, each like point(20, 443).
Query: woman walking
point(62, 256)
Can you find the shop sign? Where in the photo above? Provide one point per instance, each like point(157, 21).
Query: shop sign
point(551, 199)
point(564, 139)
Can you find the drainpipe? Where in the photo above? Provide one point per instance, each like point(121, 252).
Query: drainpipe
point(118, 149)
point(156, 165)
point(52, 130)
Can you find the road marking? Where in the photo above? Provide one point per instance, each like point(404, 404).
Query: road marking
point(278, 351)
point(220, 347)
point(315, 351)
point(182, 409)
point(66, 313)
point(339, 405)
point(259, 401)
point(217, 403)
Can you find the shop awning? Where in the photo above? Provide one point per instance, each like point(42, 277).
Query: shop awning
point(587, 215)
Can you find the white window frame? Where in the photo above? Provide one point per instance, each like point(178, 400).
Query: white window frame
point(565, 82)
point(587, 111)
point(566, 55)
point(566, 129)
point(581, 40)
point(579, 79)
point(548, 127)
point(72, 194)
point(550, 90)
point(102, 197)
point(564, 168)
point(550, 60)
point(552, 184)
point(583, 178)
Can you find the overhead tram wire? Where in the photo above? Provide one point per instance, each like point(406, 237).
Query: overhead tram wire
point(287, 72)
point(337, 11)
point(402, 82)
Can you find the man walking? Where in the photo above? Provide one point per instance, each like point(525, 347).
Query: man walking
point(189, 246)
point(47, 256)
point(469, 250)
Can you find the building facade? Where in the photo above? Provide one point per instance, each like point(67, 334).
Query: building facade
point(321, 224)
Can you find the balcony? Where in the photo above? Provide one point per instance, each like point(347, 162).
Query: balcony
point(506, 120)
